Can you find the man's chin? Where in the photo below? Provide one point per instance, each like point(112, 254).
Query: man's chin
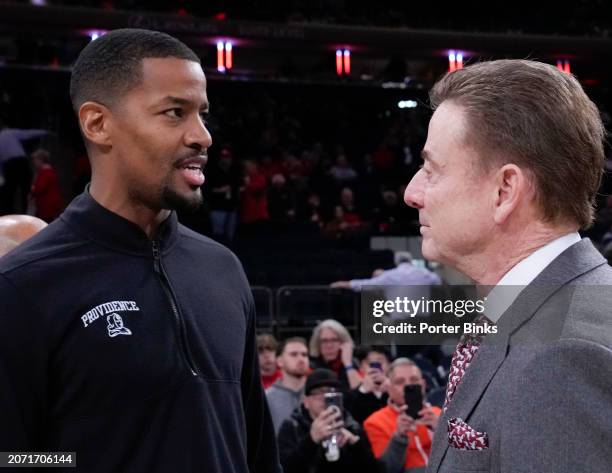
point(189, 201)
point(429, 253)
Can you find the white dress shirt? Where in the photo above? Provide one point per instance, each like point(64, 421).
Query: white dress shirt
point(523, 273)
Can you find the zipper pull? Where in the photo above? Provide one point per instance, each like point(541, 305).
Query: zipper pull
point(156, 258)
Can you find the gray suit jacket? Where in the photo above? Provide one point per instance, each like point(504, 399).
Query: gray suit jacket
point(542, 387)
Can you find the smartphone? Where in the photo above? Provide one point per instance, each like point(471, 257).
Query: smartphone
point(334, 399)
point(413, 396)
point(376, 365)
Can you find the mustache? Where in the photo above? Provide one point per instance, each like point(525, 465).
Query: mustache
point(197, 156)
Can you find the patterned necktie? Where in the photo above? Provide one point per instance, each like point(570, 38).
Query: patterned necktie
point(462, 357)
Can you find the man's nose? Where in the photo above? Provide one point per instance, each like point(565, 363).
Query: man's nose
point(198, 136)
point(413, 196)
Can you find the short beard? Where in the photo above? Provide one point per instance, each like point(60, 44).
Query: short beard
point(171, 200)
point(297, 373)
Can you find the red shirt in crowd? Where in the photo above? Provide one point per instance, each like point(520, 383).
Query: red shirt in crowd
point(255, 199)
point(46, 194)
point(269, 380)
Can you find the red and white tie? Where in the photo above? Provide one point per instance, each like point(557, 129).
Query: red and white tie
point(462, 358)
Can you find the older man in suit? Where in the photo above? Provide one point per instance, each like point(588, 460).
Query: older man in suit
point(512, 164)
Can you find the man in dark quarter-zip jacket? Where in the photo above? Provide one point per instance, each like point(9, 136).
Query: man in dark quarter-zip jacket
point(124, 336)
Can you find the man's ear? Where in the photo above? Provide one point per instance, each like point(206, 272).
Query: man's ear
point(512, 188)
point(94, 120)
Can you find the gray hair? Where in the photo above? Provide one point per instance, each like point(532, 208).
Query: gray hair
point(332, 324)
point(401, 362)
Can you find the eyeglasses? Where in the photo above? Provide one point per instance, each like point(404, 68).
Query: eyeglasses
point(329, 340)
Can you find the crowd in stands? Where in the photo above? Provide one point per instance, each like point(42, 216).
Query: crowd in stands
point(374, 428)
point(587, 17)
point(338, 168)
point(283, 157)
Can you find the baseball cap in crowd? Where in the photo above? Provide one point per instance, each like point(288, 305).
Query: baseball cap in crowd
point(321, 377)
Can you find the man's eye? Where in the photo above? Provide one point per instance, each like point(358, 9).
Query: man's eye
point(174, 113)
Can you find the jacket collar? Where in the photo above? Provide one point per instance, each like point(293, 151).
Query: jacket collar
point(98, 224)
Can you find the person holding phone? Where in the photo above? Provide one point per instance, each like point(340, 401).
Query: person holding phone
point(371, 395)
point(401, 433)
point(303, 438)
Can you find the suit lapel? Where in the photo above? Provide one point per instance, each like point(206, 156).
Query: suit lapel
point(573, 262)
point(485, 364)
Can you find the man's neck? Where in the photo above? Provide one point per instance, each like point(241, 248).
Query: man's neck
point(492, 262)
point(147, 219)
point(295, 383)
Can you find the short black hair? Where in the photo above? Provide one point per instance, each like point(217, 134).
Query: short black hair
point(286, 342)
point(111, 65)
point(362, 352)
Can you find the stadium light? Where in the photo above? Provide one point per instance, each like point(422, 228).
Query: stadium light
point(407, 104)
point(343, 62)
point(455, 60)
point(338, 62)
point(347, 62)
point(220, 56)
point(229, 62)
point(564, 65)
point(95, 34)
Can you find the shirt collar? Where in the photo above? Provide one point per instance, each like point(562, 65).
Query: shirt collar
point(96, 223)
point(523, 273)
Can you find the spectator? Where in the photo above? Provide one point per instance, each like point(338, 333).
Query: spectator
point(387, 216)
point(15, 168)
point(401, 442)
point(266, 348)
point(342, 171)
point(223, 181)
point(281, 199)
point(371, 395)
point(254, 199)
point(311, 210)
point(406, 273)
point(293, 168)
point(349, 209)
point(45, 193)
point(347, 220)
point(284, 395)
point(269, 167)
point(302, 438)
point(331, 346)
point(384, 157)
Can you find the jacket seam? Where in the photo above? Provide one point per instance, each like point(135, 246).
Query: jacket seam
point(42, 257)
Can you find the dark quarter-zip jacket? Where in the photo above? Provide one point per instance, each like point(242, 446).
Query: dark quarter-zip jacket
point(138, 355)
